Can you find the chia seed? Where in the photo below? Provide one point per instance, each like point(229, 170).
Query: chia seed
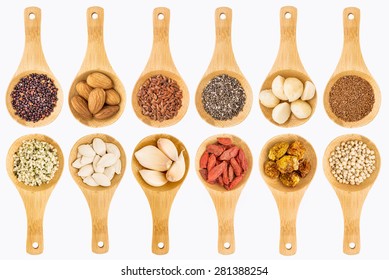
point(351, 98)
point(34, 97)
point(223, 98)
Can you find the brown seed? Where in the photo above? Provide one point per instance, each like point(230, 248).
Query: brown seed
point(112, 97)
point(80, 105)
point(96, 100)
point(83, 89)
point(99, 80)
point(107, 112)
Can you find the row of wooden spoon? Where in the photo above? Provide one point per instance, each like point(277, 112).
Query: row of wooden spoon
point(287, 64)
point(161, 198)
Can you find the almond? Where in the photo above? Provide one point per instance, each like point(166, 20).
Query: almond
point(96, 100)
point(80, 105)
point(99, 80)
point(112, 97)
point(107, 112)
point(83, 89)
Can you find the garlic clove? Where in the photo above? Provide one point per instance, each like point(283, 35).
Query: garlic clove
point(113, 149)
point(301, 109)
point(153, 178)
point(293, 89)
point(101, 179)
point(281, 113)
point(109, 172)
point(86, 160)
point(90, 181)
point(99, 146)
point(85, 171)
point(153, 158)
point(309, 91)
point(118, 166)
point(268, 99)
point(107, 160)
point(177, 170)
point(277, 87)
point(168, 148)
point(86, 150)
point(96, 168)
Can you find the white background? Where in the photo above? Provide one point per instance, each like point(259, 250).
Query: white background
point(193, 222)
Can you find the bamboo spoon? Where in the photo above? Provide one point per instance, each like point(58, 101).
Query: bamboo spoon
point(351, 63)
point(160, 63)
point(351, 197)
point(96, 60)
point(98, 198)
point(223, 62)
point(33, 61)
point(288, 64)
point(288, 199)
point(160, 198)
point(34, 198)
point(225, 201)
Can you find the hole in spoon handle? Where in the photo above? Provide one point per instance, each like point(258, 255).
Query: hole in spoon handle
point(160, 242)
point(288, 241)
point(288, 21)
point(95, 20)
point(351, 19)
point(351, 239)
point(223, 19)
point(226, 239)
point(100, 240)
point(34, 244)
point(32, 23)
point(161, 21)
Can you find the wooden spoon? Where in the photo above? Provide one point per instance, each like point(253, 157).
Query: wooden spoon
point(225, 201)
point(160, 63)
point(351, 63)
point(288, 64)
point(223, 62)
point(34, 198)
point(351, 197)
point(160, 198)
point(98, 198)
point(96, 60)
point(33, 61)
point(288, 199)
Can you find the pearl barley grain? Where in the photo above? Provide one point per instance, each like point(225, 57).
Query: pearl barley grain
point(352, 162)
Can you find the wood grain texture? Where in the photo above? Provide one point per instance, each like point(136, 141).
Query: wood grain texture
point(225, 201)
point(160, 62)
point(33, 61)
point(351, 197)
point(98, 198)
point(34, 198)
point(351, 62)
point(288, 64)
point(96, 60)
point(288, 199)
point(223, 62)
point(160, 198)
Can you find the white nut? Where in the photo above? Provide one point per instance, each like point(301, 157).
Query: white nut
point(107, 160)
point(118, 166)
point(277, 87)
point(86, 160)
point(101, 179)
point(281, 113)
point(96, 168)
point(309, 91)
point(113, 149)
point(99, 146)
point(109, 172)
point(268, 99)
point(86, 150)
point(293, 89)
point(90, 181)
point(301, 109)
point(77, 163)
point(85, 171)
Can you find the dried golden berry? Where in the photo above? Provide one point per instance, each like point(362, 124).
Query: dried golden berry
point(304, 168)
point(287, 164)
point(271, 170)
point(290, 179)
point(296, 149)
point(278, 150)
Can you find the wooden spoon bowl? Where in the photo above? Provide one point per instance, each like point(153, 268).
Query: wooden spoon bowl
point(34, 198)
point(160, 198)
point(96, 60)
point(223, 62)
point(288, 199)
point(225, 201)
point(161, 63)
point(352, 63)
point(33, 61)
point(98, 198)
point(351, 197)
point(288, 64)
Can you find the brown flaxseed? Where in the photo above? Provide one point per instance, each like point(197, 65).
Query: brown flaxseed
point(351, 98)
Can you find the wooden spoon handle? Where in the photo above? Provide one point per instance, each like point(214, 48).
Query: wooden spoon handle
point(33, 57)
point(160, 57)
point(352, 203)
point(96, 56)
point(351, 58)
point(288, 56)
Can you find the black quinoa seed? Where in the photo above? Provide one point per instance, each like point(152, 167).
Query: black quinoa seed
point(34, 97)
point(223, 98)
